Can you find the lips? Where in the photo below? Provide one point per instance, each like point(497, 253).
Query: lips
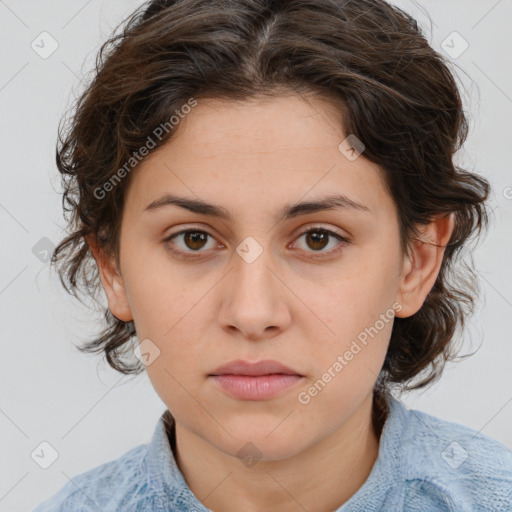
point(267, 367)
point(263, 380)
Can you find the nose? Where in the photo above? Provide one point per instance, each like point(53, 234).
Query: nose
point(254, 299)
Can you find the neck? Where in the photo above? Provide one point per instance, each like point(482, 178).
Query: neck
point(320, 478)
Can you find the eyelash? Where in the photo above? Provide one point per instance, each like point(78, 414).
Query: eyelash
point(185, 254)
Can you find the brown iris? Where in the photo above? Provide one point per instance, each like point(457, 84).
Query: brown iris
point(317, 239)
point(197, 239)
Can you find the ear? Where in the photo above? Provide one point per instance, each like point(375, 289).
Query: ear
point(112, 282)
point(421, 267)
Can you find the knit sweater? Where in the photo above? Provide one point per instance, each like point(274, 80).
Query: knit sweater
point(424, 464)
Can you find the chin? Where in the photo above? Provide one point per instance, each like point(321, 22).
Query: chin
point(261, 443)
point(258, 450)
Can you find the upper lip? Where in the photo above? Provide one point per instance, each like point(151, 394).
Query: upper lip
point(241, 367)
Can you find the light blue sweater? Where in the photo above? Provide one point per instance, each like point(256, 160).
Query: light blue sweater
point(424, 464)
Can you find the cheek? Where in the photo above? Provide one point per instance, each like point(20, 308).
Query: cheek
point(358, 309)
point(177, 374)
point(156, 292)
point(345, 371)
point(165, 311)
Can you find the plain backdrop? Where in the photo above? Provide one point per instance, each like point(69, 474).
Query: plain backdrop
point(50, 392)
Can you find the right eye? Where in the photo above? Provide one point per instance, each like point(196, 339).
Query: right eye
point(193, 240)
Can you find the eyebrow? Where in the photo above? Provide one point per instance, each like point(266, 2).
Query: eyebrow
point(339, 201)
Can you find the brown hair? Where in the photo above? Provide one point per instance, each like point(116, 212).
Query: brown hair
point(394, 92)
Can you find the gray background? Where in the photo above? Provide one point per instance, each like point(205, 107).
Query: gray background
point(87, 412)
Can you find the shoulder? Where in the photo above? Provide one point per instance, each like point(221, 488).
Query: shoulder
point(102, 487)
point(457, 467)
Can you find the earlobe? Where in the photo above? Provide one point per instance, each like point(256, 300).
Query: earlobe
point(423, 263)
point(112, 282)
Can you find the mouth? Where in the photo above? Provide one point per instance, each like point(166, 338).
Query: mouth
point(267, 367)
point(255, 381)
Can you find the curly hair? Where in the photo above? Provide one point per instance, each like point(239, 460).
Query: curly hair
point(394, 92)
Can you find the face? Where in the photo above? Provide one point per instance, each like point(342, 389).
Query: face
point(314, 290)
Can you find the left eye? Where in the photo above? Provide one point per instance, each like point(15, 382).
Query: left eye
point(319, 238)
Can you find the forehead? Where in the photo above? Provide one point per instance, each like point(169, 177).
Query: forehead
point(277, 150)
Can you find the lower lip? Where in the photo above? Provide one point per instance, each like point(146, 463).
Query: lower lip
point(260, 387)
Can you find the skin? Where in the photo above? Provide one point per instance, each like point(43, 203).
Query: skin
point(253, 158)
